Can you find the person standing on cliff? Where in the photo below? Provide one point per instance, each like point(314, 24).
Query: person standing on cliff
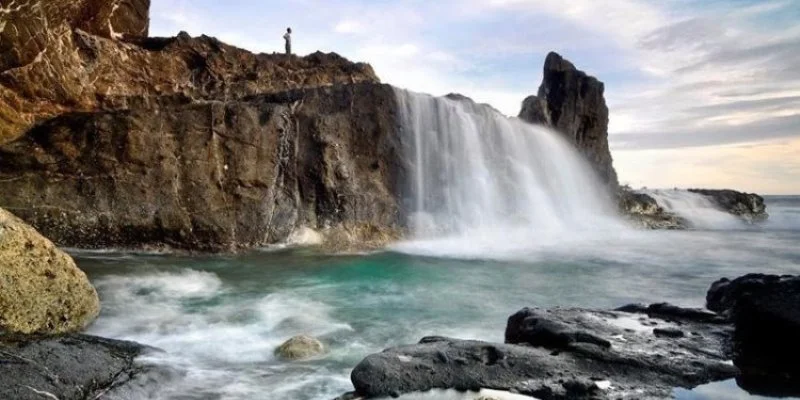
point(288, 38)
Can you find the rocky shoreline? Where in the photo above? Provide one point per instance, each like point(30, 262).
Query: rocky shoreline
point(633, 352)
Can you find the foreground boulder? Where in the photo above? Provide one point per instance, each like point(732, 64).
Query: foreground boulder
point(41, 289)
point(73, 367)
point(747, 206)
point(300, 348)
point(572, 102)
point(765, 311)
point(567, 354)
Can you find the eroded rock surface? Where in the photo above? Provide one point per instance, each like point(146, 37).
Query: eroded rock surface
point(572, 102)
point(643, 211)
point(213, 175)
point(73, 367)
point(41, 288)
point(568, 354)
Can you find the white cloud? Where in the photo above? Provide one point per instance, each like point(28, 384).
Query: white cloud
point(348, 26)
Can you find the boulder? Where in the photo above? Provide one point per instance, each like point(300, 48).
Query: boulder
point(73, 367)
point(41, 288)
point(749, 207)
point(765, 311)
point(567, 354)
point(300, 348)
point(572, 102)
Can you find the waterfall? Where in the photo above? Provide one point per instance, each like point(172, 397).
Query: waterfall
point(483, 177)
point(699, 210)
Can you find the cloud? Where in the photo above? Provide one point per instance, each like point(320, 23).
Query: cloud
point(348, 26)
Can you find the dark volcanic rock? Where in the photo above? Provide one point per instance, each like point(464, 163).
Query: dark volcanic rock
point(583, 354)
point(765, 310)
point(212, 175)
point(748, 206)
point(74, 367)
point(572, 103)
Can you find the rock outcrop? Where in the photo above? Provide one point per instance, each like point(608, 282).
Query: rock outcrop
point(74, 367)
point(634, 352)
point(572, 102)
point(112, 139)
point(644, 211)
point(747, 206)
point(212, 175)
point(765, 311)
point(41, 289)
point(561, 354)
point(60, 57)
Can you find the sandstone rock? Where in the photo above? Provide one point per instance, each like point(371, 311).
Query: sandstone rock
point(747, 206)
point(213, 175)
point(59, 56)
point(581, 354)
point(41, 289)
point(572, 103)
point(300, 348)
point(72, 367)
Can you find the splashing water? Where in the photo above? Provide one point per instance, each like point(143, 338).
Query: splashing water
point(698, 209)
point(483, 183)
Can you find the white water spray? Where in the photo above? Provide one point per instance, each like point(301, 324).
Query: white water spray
point(494, 181)
point(700, 210)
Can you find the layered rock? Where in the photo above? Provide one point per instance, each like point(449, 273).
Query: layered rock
point(74, 367)
point(572, 102)
point(41, 289)
point(747, 206)
point(60, 57)
point(212, 175)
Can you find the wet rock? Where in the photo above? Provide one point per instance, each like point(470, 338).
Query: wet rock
point(73, 367)
point(643, 210)
point(572, 102)
point(636, 363)
point(749, 207)
point(41, 288)
point(212, 175)
point(765, 311)
point(300, 348)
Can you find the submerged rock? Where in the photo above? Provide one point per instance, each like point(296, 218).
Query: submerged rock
point(300, 348)
point(747, 206)
point(765, 311)
point(579, 354)
point(73, 367)
point(572, 102)
point(41, 288)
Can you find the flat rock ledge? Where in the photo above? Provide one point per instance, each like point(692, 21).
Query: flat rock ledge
point(74, 367)
point(633, 352)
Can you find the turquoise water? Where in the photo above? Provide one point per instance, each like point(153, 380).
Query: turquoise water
point(219, 318)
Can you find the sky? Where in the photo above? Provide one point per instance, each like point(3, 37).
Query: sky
point(700, 93)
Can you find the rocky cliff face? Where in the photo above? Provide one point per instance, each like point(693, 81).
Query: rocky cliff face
point(212, 175)
point(572, 103)
point(91, 55)
point(109, 138)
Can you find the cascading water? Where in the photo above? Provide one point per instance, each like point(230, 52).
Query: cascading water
point(493, 181)
point(701, 212)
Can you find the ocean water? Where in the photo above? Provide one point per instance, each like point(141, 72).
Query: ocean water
point(219, 318)
point(503, 215)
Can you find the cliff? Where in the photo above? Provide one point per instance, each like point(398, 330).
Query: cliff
point(93, 55)
point(572, 103)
